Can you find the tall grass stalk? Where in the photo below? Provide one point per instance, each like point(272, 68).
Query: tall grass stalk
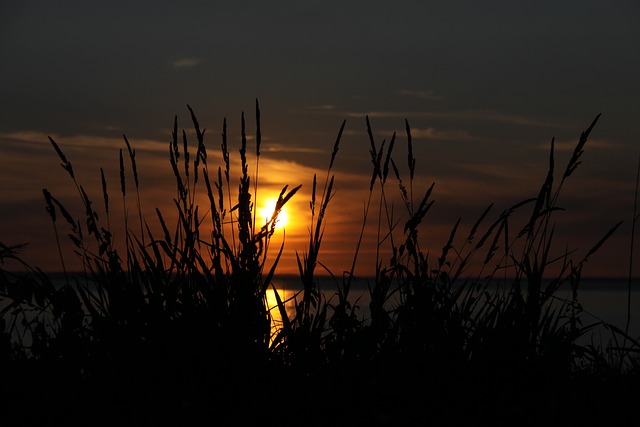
point(181, 310)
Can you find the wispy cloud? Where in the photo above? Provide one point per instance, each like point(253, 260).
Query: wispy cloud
point(323, 107)
point(279, 148)
point(445, 135)
point(79, 141)
point(570, 145)
point(318, 109)
point(429, 133)
point(487, 116)
point(422, 94)
point(188, 62)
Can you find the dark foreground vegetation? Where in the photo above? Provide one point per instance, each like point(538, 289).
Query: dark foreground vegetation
point(173, 326)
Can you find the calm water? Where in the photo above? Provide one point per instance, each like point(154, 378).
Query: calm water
point(601, 300)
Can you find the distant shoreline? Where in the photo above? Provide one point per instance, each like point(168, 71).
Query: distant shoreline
point(358, 282)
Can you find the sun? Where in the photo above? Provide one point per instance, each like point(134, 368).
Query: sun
point(266, 211)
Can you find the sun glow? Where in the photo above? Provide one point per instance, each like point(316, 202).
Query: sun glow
point(266, 212)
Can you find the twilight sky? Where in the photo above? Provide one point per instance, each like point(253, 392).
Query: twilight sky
point(484, 86)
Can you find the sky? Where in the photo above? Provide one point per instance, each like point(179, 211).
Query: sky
point(484, 86)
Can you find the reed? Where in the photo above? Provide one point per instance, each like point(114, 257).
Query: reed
point(179, 317)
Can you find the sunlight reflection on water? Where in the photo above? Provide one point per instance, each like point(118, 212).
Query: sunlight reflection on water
point(287, 297)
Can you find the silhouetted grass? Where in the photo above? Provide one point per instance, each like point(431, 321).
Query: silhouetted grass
point(176, 325)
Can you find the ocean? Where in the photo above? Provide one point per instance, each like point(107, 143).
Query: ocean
point(606, 300)
point(602, 300)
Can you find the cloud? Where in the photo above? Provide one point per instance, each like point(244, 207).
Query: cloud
point(428, 94)
point(486, 116)
point(570, 145)
point(317, 109)
point(80, 141)
point(188, 62)
point(477, 115)
point(281, 148)
point(445, 135)
point(430, 133)
point(324, 107)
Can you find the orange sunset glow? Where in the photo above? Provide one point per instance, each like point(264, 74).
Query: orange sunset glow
point(466, 194)
point(482, 137)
